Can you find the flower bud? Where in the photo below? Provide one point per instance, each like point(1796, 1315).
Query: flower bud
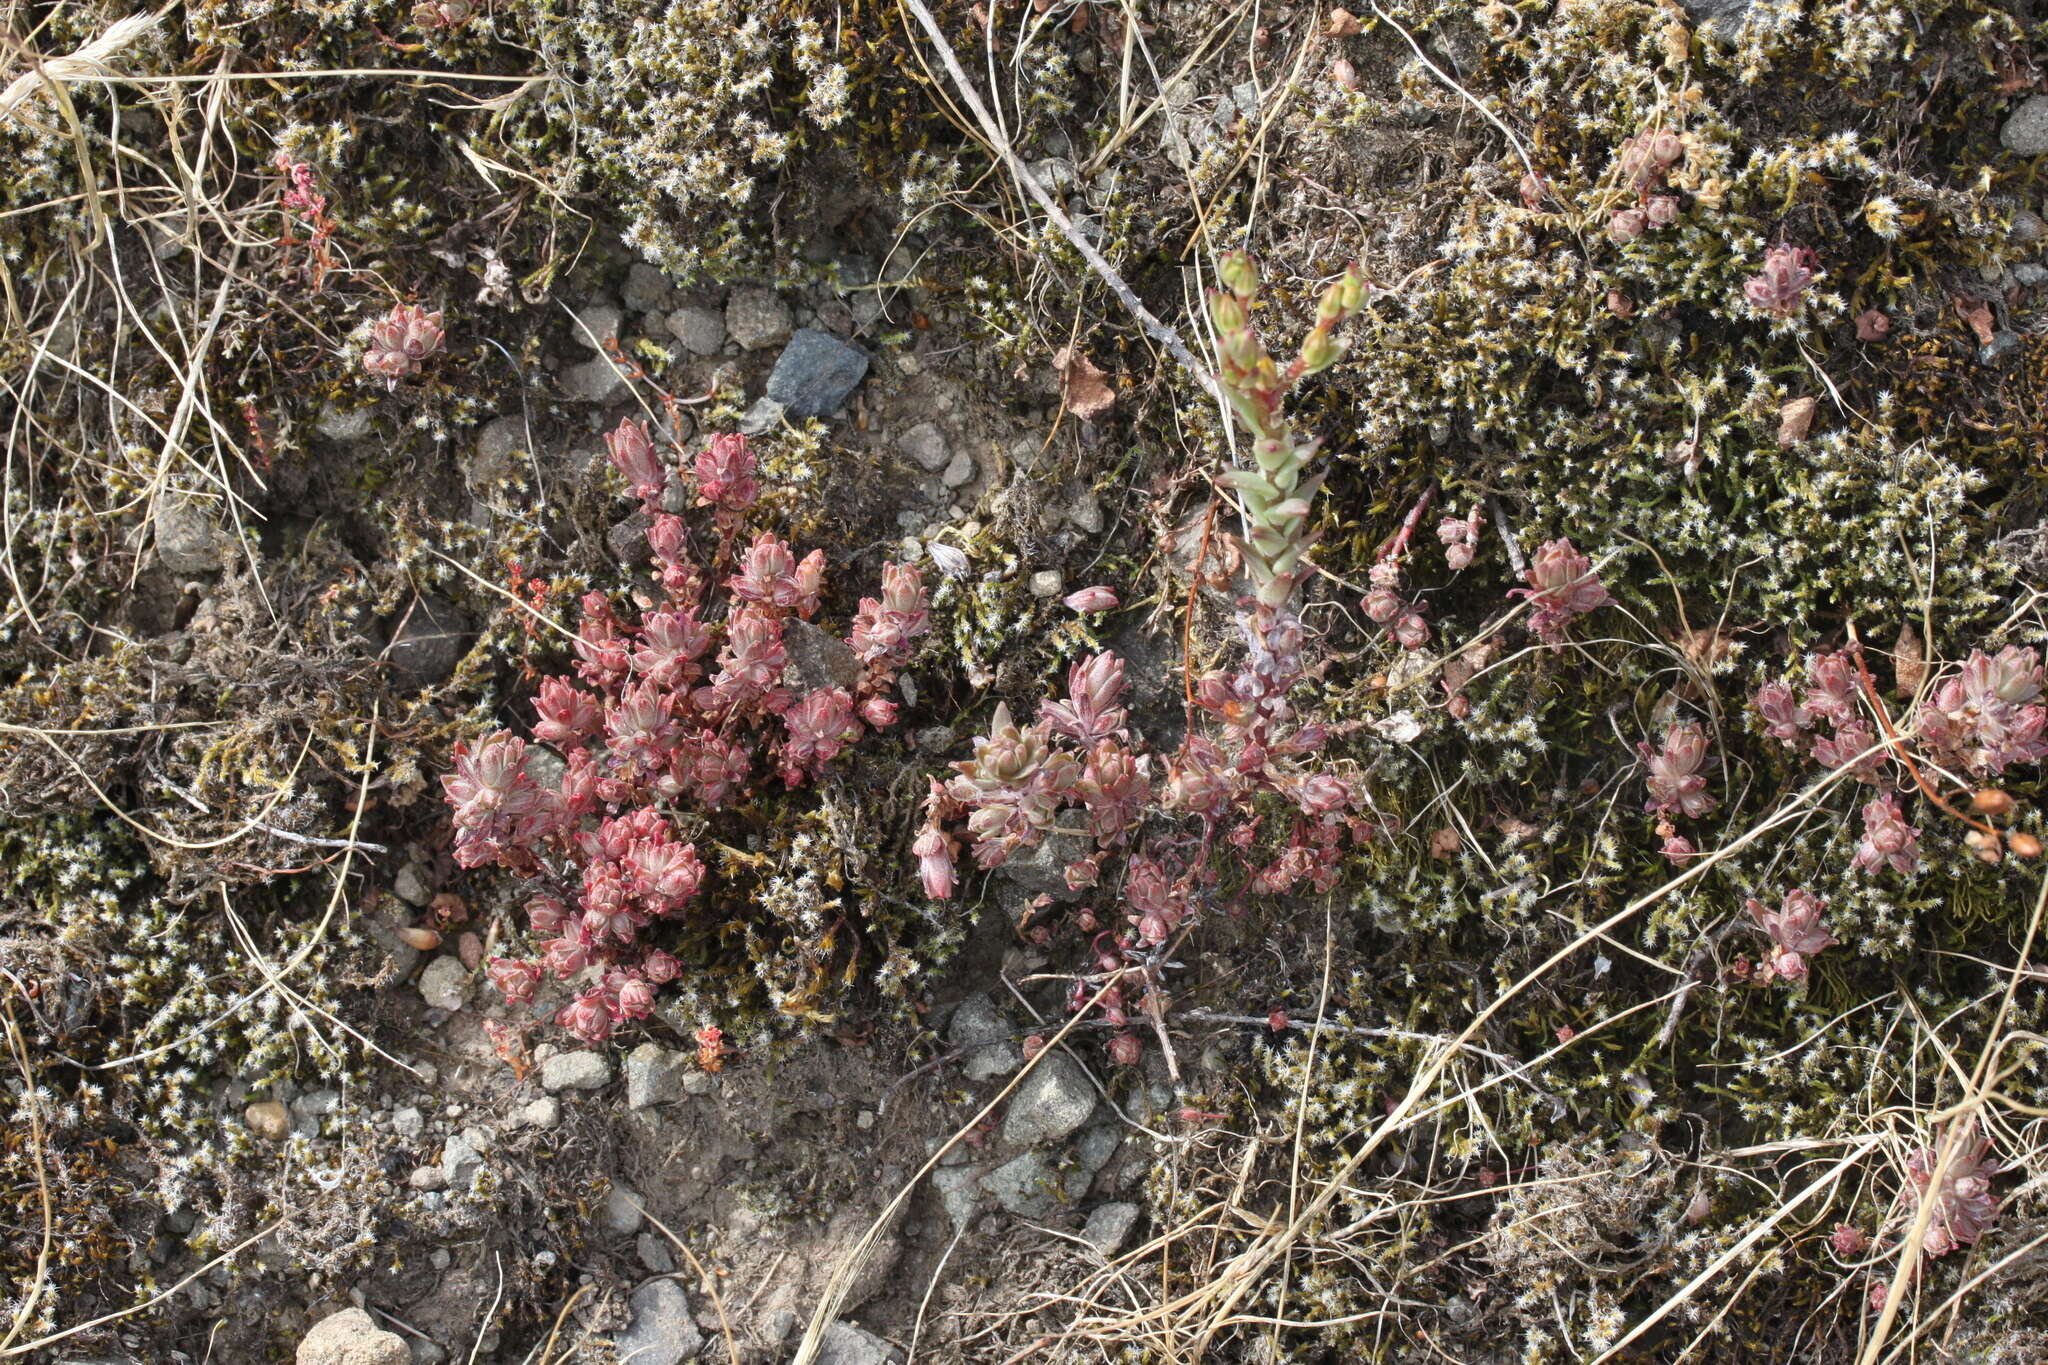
point(1992, 802)
point(2023, 845)
point(1097, 598)
point(1627, 225)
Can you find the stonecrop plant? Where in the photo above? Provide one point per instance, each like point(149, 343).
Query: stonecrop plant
point(1250, 770)
point(697, 703)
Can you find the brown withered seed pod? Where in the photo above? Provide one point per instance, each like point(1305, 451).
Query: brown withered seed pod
point(2023, 845)
point(1993, 802)
point(426, 940)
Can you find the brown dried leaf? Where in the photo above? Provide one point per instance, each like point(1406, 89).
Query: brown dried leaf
point(1978, 315)
point(1795, 419)
point(1909, 661)
point(1083, 388)
point(1343, 24)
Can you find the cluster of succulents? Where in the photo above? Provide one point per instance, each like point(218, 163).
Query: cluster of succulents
point(688, 706)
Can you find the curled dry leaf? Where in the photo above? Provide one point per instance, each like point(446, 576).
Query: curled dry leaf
point(1343, 24)
point(1974, 312)
point(1909, 661)
point(1795, 419)
point(1083, 388)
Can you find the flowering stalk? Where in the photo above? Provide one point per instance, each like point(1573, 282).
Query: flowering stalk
point(1275, 492)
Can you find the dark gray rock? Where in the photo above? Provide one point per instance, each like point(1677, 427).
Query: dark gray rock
point(596, 380)
point(926, 445)
point(595, 323)
point(815, 373)
point(662, 1331)
point(431, 640)
point(1054, 1100)
point(1723, 15)
point(647, 289)
point(1041, 869)
point(2026, 129)
point(820, 658)
point(701, 330)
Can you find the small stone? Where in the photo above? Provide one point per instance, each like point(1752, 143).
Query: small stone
point(621, 1210)
point(1051, 1102)
point(188, 539)
point(977, 1025)
point(757, 318)
point(864, 1120)
point(1047, 583)
point(627, 539)
point(698, 1083)
point(654, 1254)
point(925, 444)
point(1108, 1226)
point(432, 638)
point(647, 289)
point(815, 373)
point(1086, 514)
point(596, 380)
point(654, 1075)
point(765, 415)
point(575, 1071)
point(595, 323)
point(1026, 1186)
point(408, 1122)
point(544, 1112)
point(352, 1337)
point(343, 424)
point(960, 471)
point(2030, 274)
point(440, 1258)
point(2027, 226)
point(662, 1331)
point(1041, 869)
point(2026, 129)
point(1091, 1153)
point(426, 1352)
point(935, 739)
point(318, 1104)
point(700, 330)
point(427, 1178)
point(463, 1156)
point(2002, 345)
point(842, 1343)
point(444, 985)
point(819, 658)
point(268, 1120)
point(411, 885)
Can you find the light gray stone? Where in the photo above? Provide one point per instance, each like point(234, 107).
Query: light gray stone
point(662, 1331)
point(1051, 1102)
point(621, 1210)
point(845, 1344)
point(1108, 1227)
point(575, 1071)
point(188, 539)
point(1086, 514)
point(926, 445)
point(700, 330)
point(352, 1337)
point(1091, 1153)
point(427, 1178)
point(816, 373)
point(544, 1112)
point(757, 318)
point(1047, 583)
point(408, 1122)
point(765, 415)
point(444, 985)
point(2027, 226)
point(960, 1193)
point(2026, 129)
point(654, 1075)
point(654, 1254)
point(596, 322)
point(976, 1024)
point(960, 471)
point(463, 1156)
point(596, 380)
point(1042, 869)
point(410, 885)
point(1025, 1185)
